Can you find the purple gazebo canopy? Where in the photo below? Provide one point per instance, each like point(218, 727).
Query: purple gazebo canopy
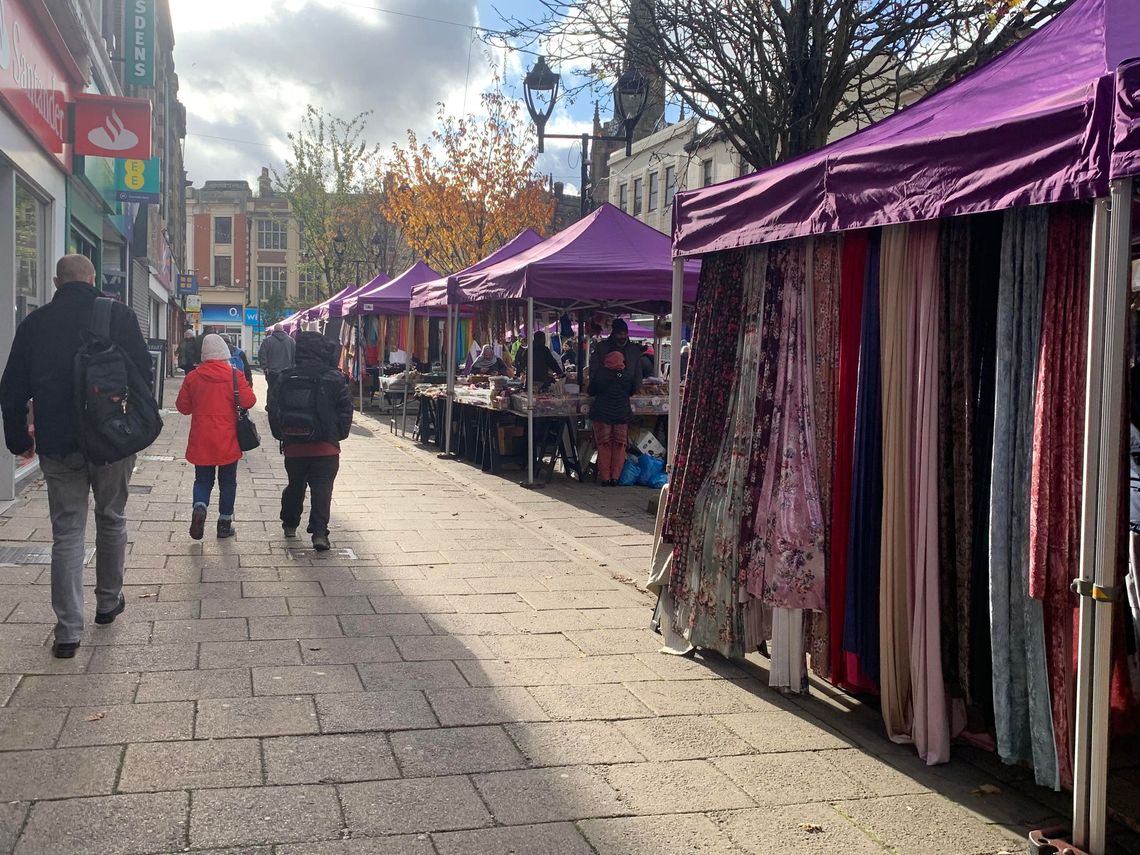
point(334, 308)
point(390, 298)
point(436, 294)
point(608, 256)
point(1052, 119)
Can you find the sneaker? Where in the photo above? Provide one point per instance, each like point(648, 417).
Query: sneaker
point(109, 617)
point(198, 524)
point(321, 542)
point(64, 649)
point(290, 531)
point(225, 529)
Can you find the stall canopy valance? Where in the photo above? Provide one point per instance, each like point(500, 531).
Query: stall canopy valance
point(390, 298)
point(1051, 119)
point(607, 257)
point(334, 308)
point(439, 292)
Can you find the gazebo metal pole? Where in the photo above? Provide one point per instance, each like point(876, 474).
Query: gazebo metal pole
point(360, 357)
point(675, 357)
point(407, 373)
point(530, 392)
point(452, 334)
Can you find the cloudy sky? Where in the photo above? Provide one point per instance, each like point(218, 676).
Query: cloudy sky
point(248, 68)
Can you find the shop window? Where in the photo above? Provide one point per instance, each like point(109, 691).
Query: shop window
point(653, 191)
point(623, 197)
point(272, 234)
point(223, 271)
point(30, 218)
point(223, 230)
point(271, 282)
point(670, 184)
point(638, 184)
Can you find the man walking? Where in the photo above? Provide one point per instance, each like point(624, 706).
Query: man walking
point(40, 369)
point(276, 354)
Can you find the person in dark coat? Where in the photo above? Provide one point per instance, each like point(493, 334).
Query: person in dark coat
point(618, 340)
point(41, 368)
point(546, 366)
point(611, 413)
point(314, 465)
point(276, 354)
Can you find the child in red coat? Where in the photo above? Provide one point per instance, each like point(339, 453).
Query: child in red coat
point(207, 396)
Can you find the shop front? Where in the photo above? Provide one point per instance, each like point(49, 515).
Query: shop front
point(225, 319)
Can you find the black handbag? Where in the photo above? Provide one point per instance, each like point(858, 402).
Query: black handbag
point(247, 436)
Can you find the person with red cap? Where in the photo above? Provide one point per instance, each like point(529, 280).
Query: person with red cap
point(612, 384)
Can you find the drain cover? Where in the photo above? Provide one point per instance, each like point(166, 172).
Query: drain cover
point(343, 554)
point(156, 458)
point(40, 554)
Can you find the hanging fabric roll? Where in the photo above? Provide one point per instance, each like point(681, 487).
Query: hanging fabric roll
point(861, 621)
point(956, 409)
point(853, 264)
point(824, 338)
point(895, 605)
point(1022, 713)
point(785, 560)
point(931, 725)
point(1055, 512)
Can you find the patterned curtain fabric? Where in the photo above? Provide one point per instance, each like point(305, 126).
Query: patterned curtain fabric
point(956, 416)
point(1022, 713)
point(824, 337)
point(1058, 437)
point(861, 620)
point(852, 275)
point(705, 594)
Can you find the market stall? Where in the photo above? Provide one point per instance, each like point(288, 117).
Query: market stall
point(930, 348)
point(609, 262)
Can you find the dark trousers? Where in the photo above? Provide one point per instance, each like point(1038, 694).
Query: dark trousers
point(227, 487)
point(318, 474)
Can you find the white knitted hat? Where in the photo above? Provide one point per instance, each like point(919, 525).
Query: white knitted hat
point(215, 347)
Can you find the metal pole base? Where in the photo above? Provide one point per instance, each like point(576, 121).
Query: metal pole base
point(447, 455)
point(1052, 841)
point(532, 485)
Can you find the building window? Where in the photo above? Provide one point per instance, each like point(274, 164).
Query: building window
point(223, 230)
point(745, 168)
point(271, 282)
point(654, 191)
point(706, 172)
point(623, 197)
point(272, 234)
point(670, 184)
point(30, 216)
point(223, 271)
point(637, 201)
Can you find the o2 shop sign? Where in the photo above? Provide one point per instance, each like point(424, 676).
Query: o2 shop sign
point(107, 126)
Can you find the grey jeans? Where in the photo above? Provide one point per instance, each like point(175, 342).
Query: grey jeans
point(70, 481)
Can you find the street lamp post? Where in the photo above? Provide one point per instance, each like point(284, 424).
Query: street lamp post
point(541, 88)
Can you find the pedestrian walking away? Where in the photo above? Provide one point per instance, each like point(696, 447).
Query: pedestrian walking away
point(207, 396)
point(310, 412)
point(42, 367)
point(276, 354)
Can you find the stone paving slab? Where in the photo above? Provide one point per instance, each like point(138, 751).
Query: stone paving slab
point(264, 815)
point(108, 825)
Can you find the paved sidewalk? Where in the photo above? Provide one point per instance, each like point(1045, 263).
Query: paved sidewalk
point(476, 676)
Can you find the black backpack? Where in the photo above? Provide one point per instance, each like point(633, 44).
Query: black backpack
point(116, 411)
point(302, 406)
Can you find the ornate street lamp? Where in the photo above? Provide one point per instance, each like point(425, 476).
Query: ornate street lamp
point(541, 87)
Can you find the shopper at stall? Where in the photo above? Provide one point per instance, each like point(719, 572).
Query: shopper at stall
point(546, 366)
point(569, 353)
point(611, 386)
point(488, 363)
point(646, 363)
point(618, 341)
point(207, 396)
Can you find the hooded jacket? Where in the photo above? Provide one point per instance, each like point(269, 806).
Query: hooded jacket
point(277, 352)
point(611, 389)
point(315, 352)
point(207, 396)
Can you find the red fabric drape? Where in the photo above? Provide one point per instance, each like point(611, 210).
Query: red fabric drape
point(851, 282)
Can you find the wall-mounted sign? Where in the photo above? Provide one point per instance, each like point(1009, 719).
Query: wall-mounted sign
point(221, 313)
point(366, 307)
point(193, 304)
point(139, 43)
point(252, 317)
point(187, 284)
point(37, 76)
point(138, 180)
point(107, 126)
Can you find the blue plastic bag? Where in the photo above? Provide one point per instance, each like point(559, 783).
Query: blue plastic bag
point(629, 473)
point(650, 467)
point(660, 481)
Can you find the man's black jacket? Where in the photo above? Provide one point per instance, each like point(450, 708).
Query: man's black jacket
point(41, 362)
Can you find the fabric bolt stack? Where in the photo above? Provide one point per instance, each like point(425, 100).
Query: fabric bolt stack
point(878, 472)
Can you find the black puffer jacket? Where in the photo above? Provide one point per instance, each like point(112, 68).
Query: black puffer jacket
point(611, 390)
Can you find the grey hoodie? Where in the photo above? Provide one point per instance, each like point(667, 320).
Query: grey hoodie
point(277, 352)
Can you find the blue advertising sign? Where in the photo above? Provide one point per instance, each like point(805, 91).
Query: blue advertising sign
point(220, 313)
point(252, 318)
point(187, 284)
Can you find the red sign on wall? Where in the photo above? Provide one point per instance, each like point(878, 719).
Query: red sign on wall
point(106, 126)
point(37, 74)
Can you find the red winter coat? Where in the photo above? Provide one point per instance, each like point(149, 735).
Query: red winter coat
point(207, 395)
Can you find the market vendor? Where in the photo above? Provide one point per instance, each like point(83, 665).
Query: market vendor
point(546, 366)
point(488, 363)
point(618, 340)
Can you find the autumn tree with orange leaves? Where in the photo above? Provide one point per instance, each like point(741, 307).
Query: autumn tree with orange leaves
point(470, 188)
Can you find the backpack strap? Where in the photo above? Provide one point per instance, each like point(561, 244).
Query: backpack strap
point(101, 318)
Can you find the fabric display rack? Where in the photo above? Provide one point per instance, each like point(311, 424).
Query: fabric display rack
point(900, 445)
